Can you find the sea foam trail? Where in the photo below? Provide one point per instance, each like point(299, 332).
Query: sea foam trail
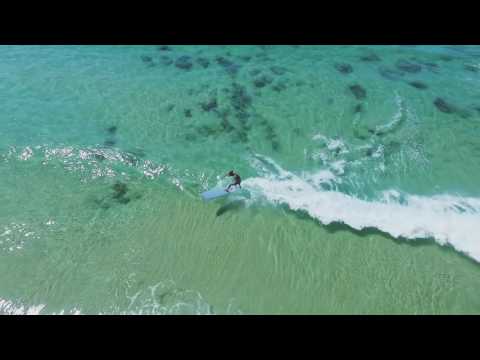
point(447, 219)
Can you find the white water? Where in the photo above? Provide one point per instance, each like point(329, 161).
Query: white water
point(447, 219)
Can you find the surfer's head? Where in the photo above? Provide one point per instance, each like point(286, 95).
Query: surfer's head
point(231, 173)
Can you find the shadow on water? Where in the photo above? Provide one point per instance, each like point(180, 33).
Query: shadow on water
point(231, 206)
point(334, 228)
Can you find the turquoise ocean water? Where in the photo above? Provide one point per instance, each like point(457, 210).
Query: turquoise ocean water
point(360, 168)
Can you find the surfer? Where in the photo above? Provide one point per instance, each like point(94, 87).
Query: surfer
point(236, 180)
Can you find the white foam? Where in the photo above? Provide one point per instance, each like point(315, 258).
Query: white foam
point(447, 219)
point(8, 307)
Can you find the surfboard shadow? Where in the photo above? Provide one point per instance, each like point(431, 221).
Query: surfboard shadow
point(231, 206)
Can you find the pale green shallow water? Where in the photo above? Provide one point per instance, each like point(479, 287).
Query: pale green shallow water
point(68, 244)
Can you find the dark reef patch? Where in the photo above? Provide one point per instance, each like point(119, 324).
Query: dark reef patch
point(471, 68)
point(229, 66)
point(203, 62)
point(188, 113)
point(112, 130)
point(209, 105)
point(169, 107)
point(184, 62)
point(344, 68)
point(245, 58)
point(166, 60)
point(255, 72)
point(408, 66)
point(119, 190)
point(390, 74)
point(446, 58)
point(110, 142)
point(280, 86)
point(164, 48)
point(262, 81)
point(418, 85)
point(358, 109)
point(370, 58)
point(358, 91)
point(444, 106)
point(146, 58)
point(278, 70)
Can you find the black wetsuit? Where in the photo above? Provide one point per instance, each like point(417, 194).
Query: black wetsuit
point(236, 181)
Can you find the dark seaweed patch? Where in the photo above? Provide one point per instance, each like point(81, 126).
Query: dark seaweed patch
point(146, 58)
point(119, 190)
point(471, 68)
point(390, 74)
point(239, 98)
point(110, 142)
point(278, 70)
point(209, 105)
point(407, 66)
point(262, 81)
point(112, 130)
point(344, 68)
point(203, 62)
point(99, 157)
point(188, 113)
point(358, 91)
point(166, 60)
point(370, 58)
point(164, 48)
point(245, 58)
point(228, 65)
point(445, 57)
point(418, 85)
point(358, 108)
point(170, 107)
point(184, 62)
point(255, 72)
point(280, 86)
point(297, 131)
point(444, 106)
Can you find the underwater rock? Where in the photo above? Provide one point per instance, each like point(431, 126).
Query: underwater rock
point(120, 189)
point(280, 86)
point(239, 98)
point(112, 130)
point(109, 142)
point(297, 131)
point(166, 60)
point(471, 68)
point(164, 48)
point(209, 105)
point(188, 113)
point(245, 58)
point(146, 59)
point(344, 68)
point(370, 58)
point(184, 62)
point(418, 85)
point(358, 91)
point(262, 81)
point(99, 157)
point(445, 57)
point(443, 106)
point(358, 108)
point(228, 65)
point(407, 66)
point(255, 72)
point(390, 74)
point(278, 70)
point(203, 62)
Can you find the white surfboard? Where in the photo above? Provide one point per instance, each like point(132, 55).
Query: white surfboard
point(217, 193)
